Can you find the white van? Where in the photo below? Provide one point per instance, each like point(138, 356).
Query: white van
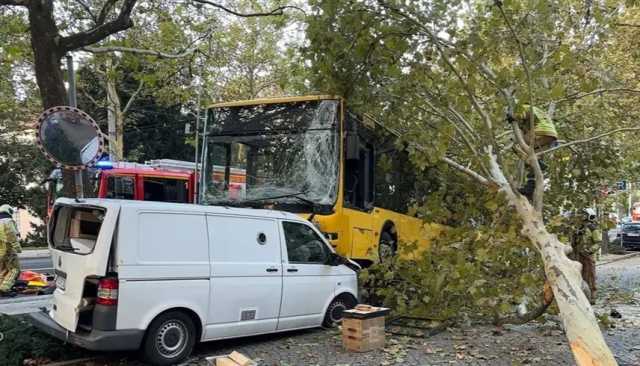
point(162, 276)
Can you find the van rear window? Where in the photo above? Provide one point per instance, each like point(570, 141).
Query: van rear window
point(76, 229)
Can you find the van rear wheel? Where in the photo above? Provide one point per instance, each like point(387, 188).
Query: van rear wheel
point(170, 339)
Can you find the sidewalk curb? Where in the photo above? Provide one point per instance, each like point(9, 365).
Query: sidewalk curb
point(37, 253)
point(24, 299)
point(621, 258)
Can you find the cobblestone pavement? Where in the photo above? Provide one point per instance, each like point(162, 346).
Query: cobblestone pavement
point(479, 346)
point(619, 290)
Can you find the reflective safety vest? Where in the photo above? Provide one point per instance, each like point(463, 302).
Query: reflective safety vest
point(544, 126)
point(9, 243)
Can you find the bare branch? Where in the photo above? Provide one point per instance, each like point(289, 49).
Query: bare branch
point(15, 2)
point(95, 102)
point(593, 138)
point(627, 25)
point(106, 9)
point(274, 12)
point(577, 96)
point(87, 8)
point(102, 31)
point(525, 66)
point(140, 51)
point(133, 97)
point(463, 169)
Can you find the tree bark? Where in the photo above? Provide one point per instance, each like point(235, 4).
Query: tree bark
point(580, 324)
point(46, 54)
point(115, 117)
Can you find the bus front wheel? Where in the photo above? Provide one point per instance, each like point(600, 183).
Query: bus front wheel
point(386, 247)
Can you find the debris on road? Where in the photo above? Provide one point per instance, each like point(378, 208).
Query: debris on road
point(233, 359)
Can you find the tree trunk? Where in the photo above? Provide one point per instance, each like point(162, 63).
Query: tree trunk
point(115, 117)
point(120, 134)
point(580, 324)
point(46, 54)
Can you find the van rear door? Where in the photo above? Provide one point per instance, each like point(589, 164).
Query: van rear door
point(80, 236)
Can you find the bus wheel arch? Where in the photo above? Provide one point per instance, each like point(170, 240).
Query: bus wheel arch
point(388, 243)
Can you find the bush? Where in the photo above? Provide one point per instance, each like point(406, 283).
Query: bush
point(21, 340)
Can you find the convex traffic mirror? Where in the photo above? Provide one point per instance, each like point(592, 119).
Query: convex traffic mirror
point(69, 137)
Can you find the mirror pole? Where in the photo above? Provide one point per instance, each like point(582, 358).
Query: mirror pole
point(73, 102)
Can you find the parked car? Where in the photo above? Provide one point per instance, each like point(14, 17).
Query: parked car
point(160, 276)
point(630, 235)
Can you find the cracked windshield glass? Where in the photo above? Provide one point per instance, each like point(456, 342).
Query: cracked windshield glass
point(273, 154)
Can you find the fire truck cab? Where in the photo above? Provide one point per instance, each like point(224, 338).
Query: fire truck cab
point(164, 180)
point(158, 180)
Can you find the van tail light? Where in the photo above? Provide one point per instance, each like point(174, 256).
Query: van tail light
point(107, 291)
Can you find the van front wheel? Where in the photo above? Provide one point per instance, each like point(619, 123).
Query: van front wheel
point(170, 339)
point(333, 315)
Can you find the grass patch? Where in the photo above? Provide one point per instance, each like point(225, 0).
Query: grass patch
point(21, 340)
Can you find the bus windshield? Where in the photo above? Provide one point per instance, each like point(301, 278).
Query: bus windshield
point(283, 154)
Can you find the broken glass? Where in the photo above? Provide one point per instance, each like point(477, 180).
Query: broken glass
point(264, 151)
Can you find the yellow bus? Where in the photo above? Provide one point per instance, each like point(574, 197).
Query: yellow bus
point(310, 155)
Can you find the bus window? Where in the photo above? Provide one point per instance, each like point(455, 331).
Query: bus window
point(120, 187)
point(166, 190)
point(395, 180)
point(359, 179)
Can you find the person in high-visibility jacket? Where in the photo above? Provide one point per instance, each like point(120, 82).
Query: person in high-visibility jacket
point(9, 249)
point(546, 136)
point(586, 243)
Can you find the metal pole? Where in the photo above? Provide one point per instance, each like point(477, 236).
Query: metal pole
point(195, 172)
point(73, 102)
point(203, 185)
point(111, 113)
point(629, 192)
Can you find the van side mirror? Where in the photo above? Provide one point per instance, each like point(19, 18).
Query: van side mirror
point(352, 149)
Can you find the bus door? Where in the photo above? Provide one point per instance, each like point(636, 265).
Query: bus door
point(358, 199)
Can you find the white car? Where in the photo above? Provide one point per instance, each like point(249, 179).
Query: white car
point(162, 276)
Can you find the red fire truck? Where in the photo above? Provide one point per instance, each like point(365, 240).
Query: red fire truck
point(157, 180)
point(163, 180)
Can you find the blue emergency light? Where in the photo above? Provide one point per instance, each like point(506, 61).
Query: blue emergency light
point(104, 164)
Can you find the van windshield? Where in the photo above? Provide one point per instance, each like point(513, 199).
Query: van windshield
point(76, 229)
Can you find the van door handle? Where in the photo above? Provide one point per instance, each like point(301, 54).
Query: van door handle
point(272, 270)
point(292, 270)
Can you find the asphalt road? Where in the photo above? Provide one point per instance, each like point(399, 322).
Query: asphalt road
point(37, 264)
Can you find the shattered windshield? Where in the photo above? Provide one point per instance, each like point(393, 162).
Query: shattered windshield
point(282, 154)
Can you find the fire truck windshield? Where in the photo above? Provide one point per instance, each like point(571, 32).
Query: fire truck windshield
point(280, 154)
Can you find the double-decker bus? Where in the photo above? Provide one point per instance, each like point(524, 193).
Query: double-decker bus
point(312, 156)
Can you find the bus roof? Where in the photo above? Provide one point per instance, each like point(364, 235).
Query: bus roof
point(276, 100)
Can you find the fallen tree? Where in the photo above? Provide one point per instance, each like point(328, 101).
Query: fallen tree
point(449, 77)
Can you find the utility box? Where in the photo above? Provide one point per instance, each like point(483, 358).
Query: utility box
point(363, 328)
